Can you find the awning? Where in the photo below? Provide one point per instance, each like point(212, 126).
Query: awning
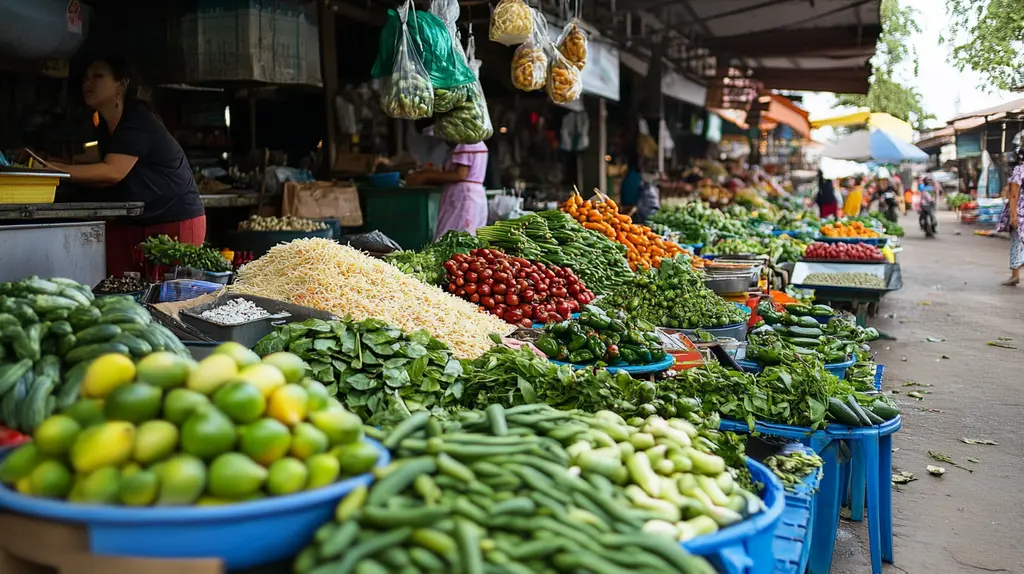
point(782, 110)
point(879, 120)
point(1008, 108)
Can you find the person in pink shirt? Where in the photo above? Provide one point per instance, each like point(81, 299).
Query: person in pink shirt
point(463, 201)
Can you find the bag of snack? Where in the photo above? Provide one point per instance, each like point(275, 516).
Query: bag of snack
point(530, 63)
point(511, 22)
point(572, 44)
point(565, 82)
point(406, 93)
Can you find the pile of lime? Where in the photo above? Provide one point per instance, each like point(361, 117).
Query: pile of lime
point(172, 432)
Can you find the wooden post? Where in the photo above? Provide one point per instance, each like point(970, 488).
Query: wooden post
point(329, 73)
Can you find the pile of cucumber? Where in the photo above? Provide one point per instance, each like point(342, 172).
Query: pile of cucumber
point(862, 410)
point(50, 330)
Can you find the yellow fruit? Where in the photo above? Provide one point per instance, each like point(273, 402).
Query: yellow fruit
point(87, 412)
point(182, 480)
point(308, 440)
point(164, 369)
point(139, 489)
point(211, 501)
point(19, 464)
point(288, 404)
point(238, 352)
point(56, 435)
point(130, 469)
point(134, 402)
point(234, 476)
point(208, 433)
point(24, 485)
point(98, 487)
point(107, 444)
point(105, 374)
point(211, 373)
point(181, 404)
point(242, 402)
point(291, 366)
point(356, 458)
point(266, 378)
point(50, 479)
point(287, 476)
point(154, 441)
point(340, 425)
point(323, 470)
point(265, 440)
point(319, 398)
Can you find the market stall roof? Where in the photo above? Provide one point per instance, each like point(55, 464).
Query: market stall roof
point(935, 139)
point(1015, 106)
point(878, 120)
point(781, 110)
point(874, 145)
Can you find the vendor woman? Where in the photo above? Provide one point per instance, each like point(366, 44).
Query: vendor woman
point(463, 200)
point(140, 162)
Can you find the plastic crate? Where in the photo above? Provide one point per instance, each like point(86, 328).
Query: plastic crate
point(792, 543)
point(746, 548)
point(183, 290)
point(27, 188)
point(249, 333)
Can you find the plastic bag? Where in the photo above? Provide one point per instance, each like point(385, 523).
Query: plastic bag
point(511, 22)
point(429, 36)
point(565, 84)
point(530, 63)
point(445, 100)
point(572, 44)
point(407, 94)
point(374, 241)
point(469, 122)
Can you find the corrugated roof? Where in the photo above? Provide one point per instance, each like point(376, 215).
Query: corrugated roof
point(1007, 108)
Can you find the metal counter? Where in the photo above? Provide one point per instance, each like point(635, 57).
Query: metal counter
point(73, 250)
point(75, 210)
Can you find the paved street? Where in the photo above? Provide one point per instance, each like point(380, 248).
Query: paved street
point(959, 522)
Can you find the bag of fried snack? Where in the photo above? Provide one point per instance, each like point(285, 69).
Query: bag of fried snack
point(572, 44)
point(511, 22)
point(565, 81)
point(530, 62)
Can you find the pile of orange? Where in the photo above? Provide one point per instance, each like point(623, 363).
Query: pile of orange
point(851, 229)
point(645, 248)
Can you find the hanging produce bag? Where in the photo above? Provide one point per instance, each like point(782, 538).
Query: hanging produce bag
point(470, 121)
point(530, 63)
point(511, 22)
point(445, 99)
point(572, 44)
point(565, 82)
point(427, 34)
point(406, 94)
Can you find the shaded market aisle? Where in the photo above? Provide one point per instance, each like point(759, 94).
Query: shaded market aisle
point(959, 522)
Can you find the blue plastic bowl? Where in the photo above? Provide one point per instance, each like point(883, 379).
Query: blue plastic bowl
point(387, 179)
point(837, 369)
point(241, 535)
point(746, 548)
point(651, 368)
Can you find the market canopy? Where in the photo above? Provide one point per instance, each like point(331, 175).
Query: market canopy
point(874, 145)
point(877, 120)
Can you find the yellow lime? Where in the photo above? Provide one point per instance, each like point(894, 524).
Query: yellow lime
point(211, 501)
point(307, 440)
point(134, 402)
point(164, 369)
point(154, 440)
point(105, 374)
point(356, 458)
point(288, 404)
point(97, 487)
point(107, 444)
point(323, 470)
point(182, 480)
point(241, 354)
point(340, 426)
point(234, 475)
point(287, 475)
point(139, 489)
point(24, 485)
point(291, 366)
point(267, 378)
point(56, 435)
point(242, 402)
point(87, 412)
point(265, 440)
point(208, 433)
point(211, 373)
point(50, 479)
point(20, 463)
point(181, 403)
point(130, 469)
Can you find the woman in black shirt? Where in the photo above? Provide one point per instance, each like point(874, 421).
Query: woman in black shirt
point(141, 161)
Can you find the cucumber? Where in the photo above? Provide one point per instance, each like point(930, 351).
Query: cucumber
point(43, 304)
point(842, 413)
point(808, 322)
point(98, 334)
point(822, 311)
point(858, 410)
point(54, 316)
point(126, 318)
point(812, 332)
point(137, 346)
point(68, 392)
point(77, 296)
point(39, 286)
point(875, 419)
point(805, 342)
point(11, 372)
point(87, 352)
point(8, 320)
point(884, 410)
point(9, 409)
point(48, 366)
point(84, 317)
point(65, 344)
point(24, 312)
point(33, 408)
point(172, 340)
point(109, 300)
point(147, 334)
point(61, 328)
point(799, 310)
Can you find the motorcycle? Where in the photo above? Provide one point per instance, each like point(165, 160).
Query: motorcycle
point(890, 206)
point(926, 218)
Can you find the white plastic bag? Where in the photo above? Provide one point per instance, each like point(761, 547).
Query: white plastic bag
point(572, 44)
point(511, 22)
point(530, 62)
point(407, 94)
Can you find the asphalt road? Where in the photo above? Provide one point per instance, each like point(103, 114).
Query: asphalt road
point(961, 521)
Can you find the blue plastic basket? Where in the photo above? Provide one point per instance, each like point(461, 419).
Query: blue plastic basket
point(648, 369)
point(837, 369)
point(185, 289)
point(879, 371)
point(388, 179)
point(876, 241)
point(792, 543)
point(241, 535)
point(746, 548)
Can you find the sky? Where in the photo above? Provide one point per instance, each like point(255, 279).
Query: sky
point(938, 81)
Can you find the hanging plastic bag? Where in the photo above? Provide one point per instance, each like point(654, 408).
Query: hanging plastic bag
point(530, 63)
point(511, 22)
point(565, 83)
point(447, 98)
point(572, 44)
point(429, 36)
point(407, 94)
point(470, 121)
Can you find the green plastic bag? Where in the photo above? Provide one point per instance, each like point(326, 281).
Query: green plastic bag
point(434, 43)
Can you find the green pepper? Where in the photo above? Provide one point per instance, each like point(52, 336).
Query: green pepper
point(628, 356)
point(577, 342)
point(560, 329)
point(596, 347)
point(657, 354)
point(595, 321)
point(617, 326)
point(635, 337)
point(644, 356)
point(575, 329)
point(547, 345)
point(581, 356)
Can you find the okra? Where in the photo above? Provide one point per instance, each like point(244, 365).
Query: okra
point(401, 478)
point(455, 469)
point(340, 540)
point(387, 519)
point(434, 540)
point(371, 547)
point(353, 502)
point(496, 416)
point(406, 428)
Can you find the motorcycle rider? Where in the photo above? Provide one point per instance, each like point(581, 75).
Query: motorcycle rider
point(887, 197)
point(926, 208)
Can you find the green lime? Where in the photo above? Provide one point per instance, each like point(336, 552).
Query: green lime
point(211, 373)
point(181, 403)
point(164, 369)
point(287, 475)
point(323, 470)
point(182, 480)
point(107, 444)
point(97, 487)
point(308, 440)
point(208, 433)
point(20, 463)
point(56, 435)
point(291, 366)
point(356, 458)
point(86, 412)
point(134, 402)
point(340, 426)
point(265, 440)
point(242, 355)
point(139, 489)
point(154, 440)
point(50, 479)
point(242, 402)
point(234, 476)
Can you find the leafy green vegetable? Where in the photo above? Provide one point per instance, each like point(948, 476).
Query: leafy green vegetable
point(163, 250)
point(427, 265)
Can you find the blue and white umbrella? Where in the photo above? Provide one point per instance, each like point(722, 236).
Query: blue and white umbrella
point(874, 145)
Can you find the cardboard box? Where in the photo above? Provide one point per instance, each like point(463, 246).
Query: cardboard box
point(354, 163)
point(320, 199)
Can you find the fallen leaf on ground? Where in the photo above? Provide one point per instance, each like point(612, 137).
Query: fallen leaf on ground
point(903, 477)
point(983, 441)
point(945, 356)
point(972, 459)
point(910, 384)
point(924, 302)
point(916, 394)
point(935, 470)
point(1005, 339)
point(931, 410)
point(943, 457)
point(1001, 345)
point(934, 340)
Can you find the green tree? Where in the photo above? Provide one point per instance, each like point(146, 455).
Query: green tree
point(887, 93)
point(987, 36)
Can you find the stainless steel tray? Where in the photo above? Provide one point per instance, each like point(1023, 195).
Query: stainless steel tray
point(728, 284)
